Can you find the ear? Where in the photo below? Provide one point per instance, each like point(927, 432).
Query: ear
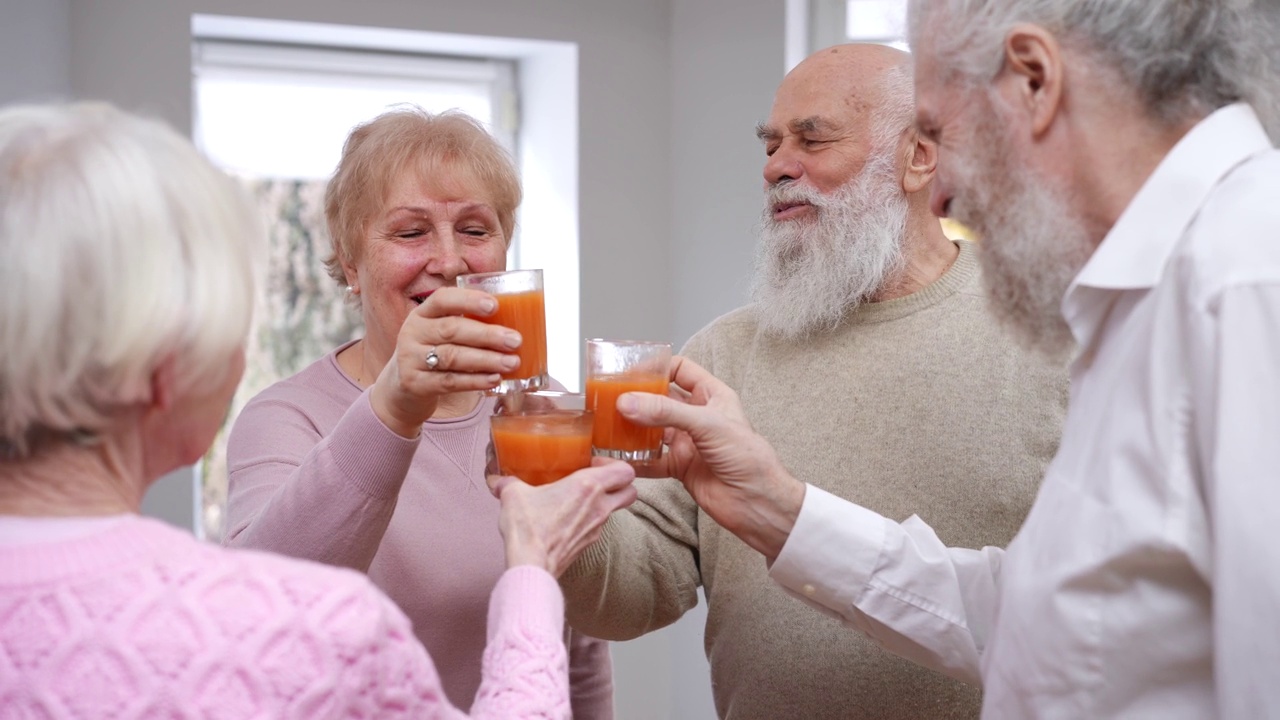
point(1031, 79)
point(921, 164)
point(163, 384)
point(349, 272)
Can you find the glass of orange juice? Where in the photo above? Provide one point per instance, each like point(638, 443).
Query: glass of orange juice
point(615, 367)
point(521, 307)
point(540, 437)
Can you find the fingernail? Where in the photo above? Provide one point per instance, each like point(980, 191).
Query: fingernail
point(510, 362)
point(488, 305)
point(626, 404)
point(512, 340)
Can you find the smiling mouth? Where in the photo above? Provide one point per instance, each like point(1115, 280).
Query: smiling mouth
point(786, 210)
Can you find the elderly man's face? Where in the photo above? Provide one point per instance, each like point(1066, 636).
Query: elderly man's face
point(834, 217)
point(815, 138)
point(1034, 243)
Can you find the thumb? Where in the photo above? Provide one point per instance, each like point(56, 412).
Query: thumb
point(498, 483)
point(658, 411)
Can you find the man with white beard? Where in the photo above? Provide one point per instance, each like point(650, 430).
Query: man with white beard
point(867, 352)
point(1115, 158)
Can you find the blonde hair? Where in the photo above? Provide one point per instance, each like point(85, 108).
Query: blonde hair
point(119, 246)
point(378, 152)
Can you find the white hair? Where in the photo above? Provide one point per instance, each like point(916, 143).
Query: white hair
point(894, 112)
point(120, 245)
point(1183, 58)
point(811, 274)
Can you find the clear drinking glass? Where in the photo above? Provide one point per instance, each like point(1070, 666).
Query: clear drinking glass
point(521, 307)
point(615, 367)
point(540, 437)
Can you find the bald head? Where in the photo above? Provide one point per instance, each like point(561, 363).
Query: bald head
point(852, 71)
point(834, 110)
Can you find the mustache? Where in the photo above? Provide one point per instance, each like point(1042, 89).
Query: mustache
point(787, 192)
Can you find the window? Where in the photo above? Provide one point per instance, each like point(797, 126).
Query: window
point(267, 110)
point(816, 24)
point(881, 21)
point(273, 103)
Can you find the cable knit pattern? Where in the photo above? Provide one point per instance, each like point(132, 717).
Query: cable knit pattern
point(143, 621)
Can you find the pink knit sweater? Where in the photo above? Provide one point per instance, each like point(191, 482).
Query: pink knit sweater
point(316, 475)
point(141, 620)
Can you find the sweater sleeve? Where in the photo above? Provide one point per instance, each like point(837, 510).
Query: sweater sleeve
point(642, 574)
point(526, 665)
point(298, 492)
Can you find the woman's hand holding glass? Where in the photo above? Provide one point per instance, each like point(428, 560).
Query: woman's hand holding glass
point(470, 355)
point(550, 525)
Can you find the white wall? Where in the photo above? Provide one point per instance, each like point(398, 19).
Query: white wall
point(669, 174)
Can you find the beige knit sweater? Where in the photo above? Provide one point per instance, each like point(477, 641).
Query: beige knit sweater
point(919, 405)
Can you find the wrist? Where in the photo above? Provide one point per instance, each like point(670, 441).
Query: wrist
point(387, 412)
point(777, 511)
point(521, 554)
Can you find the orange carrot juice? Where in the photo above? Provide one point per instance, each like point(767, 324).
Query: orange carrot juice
point(524, 312)
point(542, 448)
point(612, 431)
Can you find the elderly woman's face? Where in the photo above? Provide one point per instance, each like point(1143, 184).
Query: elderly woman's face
point(426, 235)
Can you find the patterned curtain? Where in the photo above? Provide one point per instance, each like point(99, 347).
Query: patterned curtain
point(300, 314)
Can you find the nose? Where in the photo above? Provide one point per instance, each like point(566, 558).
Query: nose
point(446, 258)
point(939, 199)
point(781, 166)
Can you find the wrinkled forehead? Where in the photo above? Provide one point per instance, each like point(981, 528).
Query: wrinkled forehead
point(800, 105)
point(440, 178)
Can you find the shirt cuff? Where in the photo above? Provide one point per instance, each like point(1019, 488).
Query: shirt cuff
point(831, 552)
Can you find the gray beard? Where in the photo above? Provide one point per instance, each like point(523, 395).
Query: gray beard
point(811, 273)
point(1033, 245)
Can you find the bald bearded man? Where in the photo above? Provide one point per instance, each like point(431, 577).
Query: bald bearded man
point(867, 352)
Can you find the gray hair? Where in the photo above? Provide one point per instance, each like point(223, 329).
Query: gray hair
point(119, 246)
point(1184, 58)
point(894, 111)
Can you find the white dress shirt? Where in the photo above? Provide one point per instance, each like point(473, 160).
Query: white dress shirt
point(1145, 583)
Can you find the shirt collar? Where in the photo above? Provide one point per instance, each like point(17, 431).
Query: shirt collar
point(1134, 253)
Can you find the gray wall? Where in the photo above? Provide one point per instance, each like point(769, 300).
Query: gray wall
point(669, 173)
point(35, 53)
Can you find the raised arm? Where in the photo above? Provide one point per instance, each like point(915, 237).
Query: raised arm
point(327, 498)
point(642, 574)
point(898, 583)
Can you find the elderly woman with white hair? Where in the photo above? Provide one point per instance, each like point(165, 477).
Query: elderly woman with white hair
point(125, 298)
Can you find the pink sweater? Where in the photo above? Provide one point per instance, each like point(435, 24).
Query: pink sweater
point(314, 474)
point(140, 620)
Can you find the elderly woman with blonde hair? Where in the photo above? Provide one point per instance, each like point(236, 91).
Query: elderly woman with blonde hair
point(125, 292)
point(370, 458)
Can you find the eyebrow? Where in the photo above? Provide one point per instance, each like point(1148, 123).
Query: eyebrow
point(419, 210)
point(813, 123)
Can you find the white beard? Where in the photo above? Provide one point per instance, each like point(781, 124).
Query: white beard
point(811, 273)
point(1033, 245)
